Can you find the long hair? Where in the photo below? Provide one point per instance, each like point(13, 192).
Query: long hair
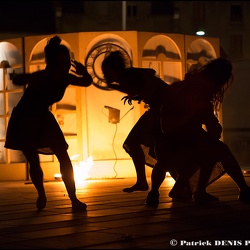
point(219, 71)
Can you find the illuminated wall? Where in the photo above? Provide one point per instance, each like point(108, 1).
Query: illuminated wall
point(83, 113)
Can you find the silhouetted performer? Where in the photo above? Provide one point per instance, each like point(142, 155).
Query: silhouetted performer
point(34, 130)
point(188, 147)
point(142, 85)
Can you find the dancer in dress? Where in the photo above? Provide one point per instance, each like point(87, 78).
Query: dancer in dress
point(188, 106)
point(34, 130)
point(141, 85)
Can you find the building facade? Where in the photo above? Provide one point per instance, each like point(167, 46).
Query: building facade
point(225, 24)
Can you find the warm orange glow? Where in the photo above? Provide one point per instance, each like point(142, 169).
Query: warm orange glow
point(81, 169)
point(169, 180)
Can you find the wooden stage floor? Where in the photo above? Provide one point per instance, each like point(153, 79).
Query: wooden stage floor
point(117, 220)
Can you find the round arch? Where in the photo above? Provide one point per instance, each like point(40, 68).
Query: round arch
point(96, 51)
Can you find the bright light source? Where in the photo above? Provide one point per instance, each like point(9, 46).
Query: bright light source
point(168, 174)
point(81, 169)
point(200, 33)
point(58, 177)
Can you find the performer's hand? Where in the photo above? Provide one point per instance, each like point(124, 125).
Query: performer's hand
point(78, 68)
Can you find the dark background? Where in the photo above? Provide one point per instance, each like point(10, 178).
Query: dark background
point(27, 16)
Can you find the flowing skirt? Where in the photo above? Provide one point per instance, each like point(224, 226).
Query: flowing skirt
point(39, 130)
point(186, 154)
